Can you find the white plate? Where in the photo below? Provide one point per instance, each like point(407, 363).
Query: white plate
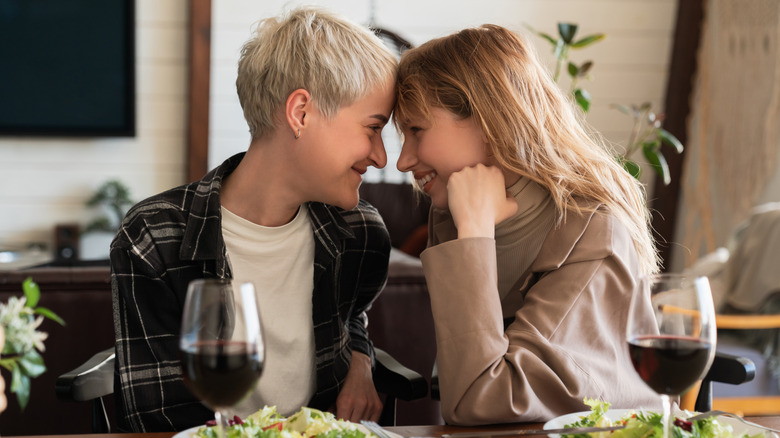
point(189, 433)
point(563, 420)
point(738, 427)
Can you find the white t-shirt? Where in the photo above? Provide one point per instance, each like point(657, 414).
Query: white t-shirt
point(280, 263)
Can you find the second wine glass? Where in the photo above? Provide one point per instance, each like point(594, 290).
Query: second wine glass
point(221, 345)
point(671, 334)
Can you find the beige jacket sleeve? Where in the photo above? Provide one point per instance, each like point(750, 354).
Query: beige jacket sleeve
point(568, 338)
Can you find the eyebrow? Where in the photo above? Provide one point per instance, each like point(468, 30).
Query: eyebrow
point(381, 117)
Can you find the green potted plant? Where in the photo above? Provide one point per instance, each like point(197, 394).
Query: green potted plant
point(561, 47)
point(646, 135)
point(112, 198)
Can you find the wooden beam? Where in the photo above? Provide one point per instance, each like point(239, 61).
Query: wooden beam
point(682, 73)
point(199, 69)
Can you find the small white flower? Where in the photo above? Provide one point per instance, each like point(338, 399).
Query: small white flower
point(21, 327)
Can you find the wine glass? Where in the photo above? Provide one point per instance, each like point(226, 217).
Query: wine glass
point(221, 345)
point(671, 334)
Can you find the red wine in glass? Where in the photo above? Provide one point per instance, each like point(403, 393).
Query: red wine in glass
point(669, 364)
point(221, 373)
point(221, 347)
point(671, 334)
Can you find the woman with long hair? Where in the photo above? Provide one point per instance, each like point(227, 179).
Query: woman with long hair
point(536, 235)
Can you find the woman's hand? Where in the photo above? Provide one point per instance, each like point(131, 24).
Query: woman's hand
point(478, 200)
point(358, 399)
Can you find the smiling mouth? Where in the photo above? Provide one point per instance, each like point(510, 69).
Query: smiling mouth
point(421, 182)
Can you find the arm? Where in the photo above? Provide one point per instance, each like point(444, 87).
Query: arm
point(566, 343)
point(478, 200)
point(151, 395)
point(358, 398)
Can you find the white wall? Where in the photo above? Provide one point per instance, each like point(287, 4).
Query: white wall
point(630, 66)
point(47, 181)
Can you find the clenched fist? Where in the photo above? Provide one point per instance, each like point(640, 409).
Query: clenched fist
point(478, 200)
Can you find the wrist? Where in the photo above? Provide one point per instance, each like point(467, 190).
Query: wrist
point(473, 230)
point(360, 361)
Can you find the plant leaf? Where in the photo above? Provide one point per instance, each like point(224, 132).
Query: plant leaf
point(20, 384)
point(585, 68)
point(31, 291)
point(567, 31)
point(49, 314)
point(669, 138)
point(100, 224)
point(658, 162)
point(9, 363)
point(623, 109)
point(588, 40)
point(544, 35)
point(651, 145)
point(573, 69)
point(32, 364)
point(632, 167)
point(582, 98)
point(548, 37)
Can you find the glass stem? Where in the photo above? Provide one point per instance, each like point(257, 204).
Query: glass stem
point(222, 422)
point(667, 415)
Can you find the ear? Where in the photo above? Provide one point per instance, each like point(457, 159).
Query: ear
point(298, 102)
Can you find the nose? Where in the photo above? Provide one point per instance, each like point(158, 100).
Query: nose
point(378, 155)
point(408, 157)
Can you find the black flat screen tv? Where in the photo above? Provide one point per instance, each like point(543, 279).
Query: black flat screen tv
point(67, 68)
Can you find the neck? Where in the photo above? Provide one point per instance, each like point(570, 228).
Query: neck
point(259, 189)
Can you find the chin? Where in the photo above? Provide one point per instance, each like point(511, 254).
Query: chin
point(440, 202)
point(347, 203)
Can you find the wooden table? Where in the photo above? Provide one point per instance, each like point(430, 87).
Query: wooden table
point(435, 431)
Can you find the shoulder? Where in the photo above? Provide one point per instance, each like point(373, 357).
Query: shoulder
point(367, 225)
point(593, 234)
point(361, 219)
point(157, 215)
point(362, 223)
point(364, 214)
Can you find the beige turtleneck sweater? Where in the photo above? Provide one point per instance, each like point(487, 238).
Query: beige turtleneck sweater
point(519, 238)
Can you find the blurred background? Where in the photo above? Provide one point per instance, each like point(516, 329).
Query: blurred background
point(180, 131)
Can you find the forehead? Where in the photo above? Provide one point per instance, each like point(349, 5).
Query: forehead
point(378, 101)
point(408, 114)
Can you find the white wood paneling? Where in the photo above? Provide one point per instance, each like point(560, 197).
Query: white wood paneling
point(630, 65)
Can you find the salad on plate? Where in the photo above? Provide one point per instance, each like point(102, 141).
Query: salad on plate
point(647, 424)
point(306, 423)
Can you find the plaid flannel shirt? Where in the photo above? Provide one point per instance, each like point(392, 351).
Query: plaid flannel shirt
point(174, 237)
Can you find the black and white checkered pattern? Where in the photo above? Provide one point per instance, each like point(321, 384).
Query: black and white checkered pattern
point(174, 237)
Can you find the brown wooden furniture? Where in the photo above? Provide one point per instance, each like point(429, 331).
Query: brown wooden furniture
point(82, 297)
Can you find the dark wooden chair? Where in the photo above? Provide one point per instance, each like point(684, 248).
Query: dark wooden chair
point(94, 380)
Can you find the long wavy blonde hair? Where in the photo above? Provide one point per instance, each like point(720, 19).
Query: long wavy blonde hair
point(492, 74)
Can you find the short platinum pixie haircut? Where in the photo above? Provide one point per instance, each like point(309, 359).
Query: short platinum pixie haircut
point(334, 59)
